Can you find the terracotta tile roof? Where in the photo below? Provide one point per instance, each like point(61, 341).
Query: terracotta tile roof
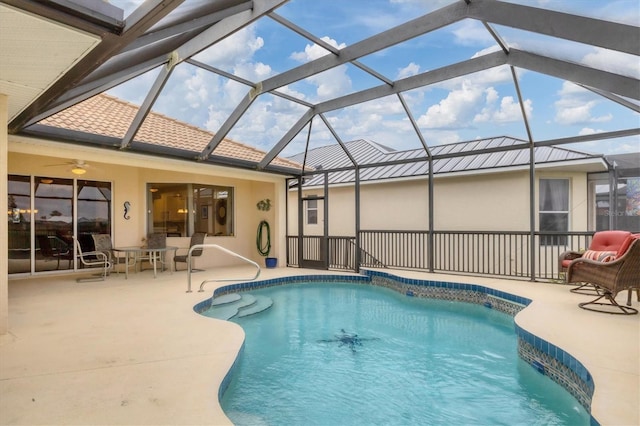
point(110, 116)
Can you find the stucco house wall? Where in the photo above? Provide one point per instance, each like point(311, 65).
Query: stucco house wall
point(486, 201)
point(129, 175)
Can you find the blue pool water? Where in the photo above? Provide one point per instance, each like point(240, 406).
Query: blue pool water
point(413, 362)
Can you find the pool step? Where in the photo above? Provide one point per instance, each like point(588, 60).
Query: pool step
point(224, 299)
point(262, 303)
point(236, 305)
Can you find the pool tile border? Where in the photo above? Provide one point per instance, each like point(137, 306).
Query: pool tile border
point(545, 357)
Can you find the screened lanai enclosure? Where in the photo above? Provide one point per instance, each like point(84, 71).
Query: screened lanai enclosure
point(472, 136)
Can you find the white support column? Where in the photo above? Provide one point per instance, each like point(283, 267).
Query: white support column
point(4, 228)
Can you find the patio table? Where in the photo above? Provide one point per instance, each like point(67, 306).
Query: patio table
point(134, 253)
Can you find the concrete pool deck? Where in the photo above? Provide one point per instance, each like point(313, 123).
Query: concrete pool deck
point(124, 352)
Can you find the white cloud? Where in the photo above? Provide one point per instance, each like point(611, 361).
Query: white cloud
point(570, 112)
point(613, 61)
point(471, 32)
point(455, 110)
point(408, 71)
point(510, 111)
point(229, 53)
point(314, 51)
point(576, 106)
point(589, 131)
point(197, 92)
point(492, 95)
point(328, 84)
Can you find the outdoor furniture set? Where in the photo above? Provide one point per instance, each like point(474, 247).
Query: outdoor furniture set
point(107, 257)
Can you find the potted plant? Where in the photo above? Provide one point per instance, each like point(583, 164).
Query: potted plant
point(263, 236)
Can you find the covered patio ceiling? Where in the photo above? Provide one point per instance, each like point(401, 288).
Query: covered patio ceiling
point(287, 76)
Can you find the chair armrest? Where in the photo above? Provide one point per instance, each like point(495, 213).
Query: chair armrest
point(570, 255)
point(182, 251)
point(101, 258)
point(593, 271)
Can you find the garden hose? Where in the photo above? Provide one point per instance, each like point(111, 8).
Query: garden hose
point(263, 249)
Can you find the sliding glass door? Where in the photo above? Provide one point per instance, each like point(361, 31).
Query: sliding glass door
point(19, 217)
point(44, 214)
point(53, 223)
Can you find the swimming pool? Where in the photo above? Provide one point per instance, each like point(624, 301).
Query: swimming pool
point(303, 363)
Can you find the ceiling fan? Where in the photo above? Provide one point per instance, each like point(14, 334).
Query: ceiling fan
point(78, 167)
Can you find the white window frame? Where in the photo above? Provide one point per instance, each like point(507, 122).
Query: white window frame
point(547, 240)
point(312, 206)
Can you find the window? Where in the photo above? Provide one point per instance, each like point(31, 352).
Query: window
point(43, 219)
point(312, 212)
point(614, 207)
point(180, 209)
point(553, 210)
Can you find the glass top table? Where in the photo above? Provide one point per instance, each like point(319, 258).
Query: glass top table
point(134, 255)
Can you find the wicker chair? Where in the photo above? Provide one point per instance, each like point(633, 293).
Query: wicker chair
point(603, 244)
point(609, 278)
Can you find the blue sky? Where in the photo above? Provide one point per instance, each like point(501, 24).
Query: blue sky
point(475, 106)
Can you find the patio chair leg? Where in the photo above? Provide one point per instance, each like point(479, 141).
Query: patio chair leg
point(631, 293)
point(624, 310)
point(586, 288)
point(94, 277)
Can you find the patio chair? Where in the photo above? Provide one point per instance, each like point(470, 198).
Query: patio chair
point(610, 278)
point(102, 243)
point(49, 250)
point(93, 259)
point(197, 238)
point(604, 245)
point(155, 241)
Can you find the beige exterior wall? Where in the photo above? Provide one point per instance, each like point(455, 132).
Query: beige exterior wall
point(395, 206)
point(130, 173)
point(494, 201)
point(382, 206)
point(4, 228)
point(497, 201)
point(482, 202)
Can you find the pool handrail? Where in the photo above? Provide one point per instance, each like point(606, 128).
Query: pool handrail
point(203, 246)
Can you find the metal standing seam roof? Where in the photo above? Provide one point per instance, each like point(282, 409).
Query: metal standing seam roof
point(332, 157)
